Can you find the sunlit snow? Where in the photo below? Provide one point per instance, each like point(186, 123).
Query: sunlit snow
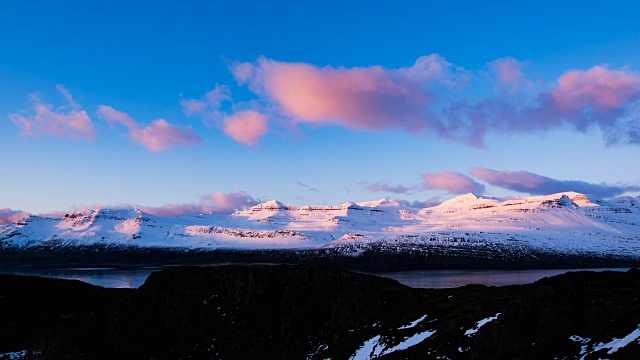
point(566, 223)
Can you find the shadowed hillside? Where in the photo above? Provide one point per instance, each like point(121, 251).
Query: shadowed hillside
point(318, 311)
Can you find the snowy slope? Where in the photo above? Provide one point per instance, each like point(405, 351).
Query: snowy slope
point(566, 222)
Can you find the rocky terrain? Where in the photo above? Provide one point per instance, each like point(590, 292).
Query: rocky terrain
point(318, 312)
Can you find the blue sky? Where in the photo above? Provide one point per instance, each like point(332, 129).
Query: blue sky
point(143, 60)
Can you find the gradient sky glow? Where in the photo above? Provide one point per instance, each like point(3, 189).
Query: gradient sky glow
point(211, 105)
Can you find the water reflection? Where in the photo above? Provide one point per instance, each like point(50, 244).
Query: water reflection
point(456, 278)
point(106, 277)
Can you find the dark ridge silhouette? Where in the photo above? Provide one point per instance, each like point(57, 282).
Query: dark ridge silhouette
point(318, 312)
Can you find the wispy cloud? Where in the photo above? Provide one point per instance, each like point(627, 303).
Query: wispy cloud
point(46, 120)
point(530, 183)
point(115, 117)
point(453, 182)
point(429, 97)
point(158, 136)
point(382, 187)
point(307, 186)
point(67, 95)
point(208, 106)
point(8, 216)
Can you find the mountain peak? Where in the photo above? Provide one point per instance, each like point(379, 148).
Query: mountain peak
point(381, 202)
point(271, 205)
point(461, 199)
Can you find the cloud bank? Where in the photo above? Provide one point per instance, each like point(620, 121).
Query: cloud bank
point(520, 181)
point(225, 203)
point(435, 97)
point(530, 183)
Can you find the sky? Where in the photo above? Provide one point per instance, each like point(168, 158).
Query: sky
point(197, 106)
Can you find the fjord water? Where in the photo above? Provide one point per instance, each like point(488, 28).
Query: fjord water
point(133, 277)
point(455, 278)
point(105, 277)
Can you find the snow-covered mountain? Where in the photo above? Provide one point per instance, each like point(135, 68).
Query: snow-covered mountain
point(566, 223)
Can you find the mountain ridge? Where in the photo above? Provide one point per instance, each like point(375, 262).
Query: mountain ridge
point(566, 223)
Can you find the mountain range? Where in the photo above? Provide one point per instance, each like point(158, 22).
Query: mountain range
point(562, 224)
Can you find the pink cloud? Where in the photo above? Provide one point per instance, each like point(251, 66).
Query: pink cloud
point(64, 122)
point(246, 127)
point(370, 98)
point(596, 98)
point(113, 117)
point(8, 216)
point(530, 183)
point(159, 136)
point(230, 202)
point(167, 210)
point(54, 214)
point(224, 203)
point(453, 182)
point(173, 210)
point(598, 88)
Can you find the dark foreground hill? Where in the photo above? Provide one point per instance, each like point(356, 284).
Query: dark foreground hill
point(318, 312)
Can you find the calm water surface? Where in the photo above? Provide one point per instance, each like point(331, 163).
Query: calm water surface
point(106, 277)
point(134, 277)
point(457, 278)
